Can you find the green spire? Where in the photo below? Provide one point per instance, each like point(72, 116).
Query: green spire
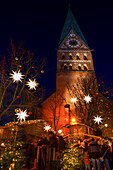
point(71, 23)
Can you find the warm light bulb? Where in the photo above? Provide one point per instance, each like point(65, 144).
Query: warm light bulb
point(106, 125)
point(59, 131)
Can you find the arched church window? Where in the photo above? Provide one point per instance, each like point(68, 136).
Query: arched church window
point(78, 58)
point(70, 56)
point(85, 57)
point(65, 66)
point(79, 67)
point(85, 67)
point(61, 66)
point(70, 66)
point(63, 56)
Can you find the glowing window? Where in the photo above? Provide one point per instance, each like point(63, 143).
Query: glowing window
point(85, 57)
point(85, 67)
point(70, 56)
point(78, 58)
point(65, 66)
point(79, 67)
point(70, 66)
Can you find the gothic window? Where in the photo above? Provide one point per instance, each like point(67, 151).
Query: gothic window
point(78, 58)
point(63, 56)
point(70, 66)
point(70, 56)
point(61, 66)
point(79, 67)
point(85, 67)
point(65, 66)
point(85, 57)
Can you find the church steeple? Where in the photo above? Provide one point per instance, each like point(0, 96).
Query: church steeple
point(74, 62)
point(71, 24)
point(74, 58)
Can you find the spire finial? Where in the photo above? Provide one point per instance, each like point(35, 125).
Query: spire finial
point(69, 5)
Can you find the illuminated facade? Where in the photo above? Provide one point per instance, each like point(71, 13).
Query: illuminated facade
point(74, 60)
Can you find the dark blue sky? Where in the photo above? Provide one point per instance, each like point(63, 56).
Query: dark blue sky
point(38, 24)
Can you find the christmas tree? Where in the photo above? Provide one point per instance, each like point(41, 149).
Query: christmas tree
point(12, 150)
point(72, 156)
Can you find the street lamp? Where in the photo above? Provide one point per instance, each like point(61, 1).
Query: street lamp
point(68, 106)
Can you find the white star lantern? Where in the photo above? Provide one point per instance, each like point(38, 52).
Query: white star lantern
point(60, 131)
point(97, 119)
point(47, 128)
point(16, 76)
point(21, 114)
point(32, 84)
point(87, 98)
point(74, 100)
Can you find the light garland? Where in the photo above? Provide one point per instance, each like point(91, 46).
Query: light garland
point(28, 122)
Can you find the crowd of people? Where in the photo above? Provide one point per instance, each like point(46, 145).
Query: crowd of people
point(97, 153)
point(46, 149)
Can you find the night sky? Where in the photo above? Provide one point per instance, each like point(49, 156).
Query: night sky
point(38, 25)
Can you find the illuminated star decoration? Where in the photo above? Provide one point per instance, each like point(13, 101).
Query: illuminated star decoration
point(21, 114)
point(97, 119)
point(59, 131)
point(74, 100)
point(32, 84)
point(47, 128)
point(16, 76)
point(87, 98)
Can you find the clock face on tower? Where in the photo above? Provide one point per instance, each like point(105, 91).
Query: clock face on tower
point(73, 43)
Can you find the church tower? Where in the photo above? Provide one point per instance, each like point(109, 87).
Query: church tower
point(74, 60)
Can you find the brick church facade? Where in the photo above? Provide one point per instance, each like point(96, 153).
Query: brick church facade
point(74, 60)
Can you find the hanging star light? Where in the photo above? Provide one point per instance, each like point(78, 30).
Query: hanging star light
point(32, 84)
point(97, 119)
point(21, 114)
point(87, 98)
point(47, 128)
point(74, 100)
point(60, 131)
point(16, 76)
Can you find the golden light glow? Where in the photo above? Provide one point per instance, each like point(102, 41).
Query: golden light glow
point(106, 125)
point(2, 144)
point(73, 121)
point(85, 54)
point(70, 53)
point(77, 54)
point(59, 131)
